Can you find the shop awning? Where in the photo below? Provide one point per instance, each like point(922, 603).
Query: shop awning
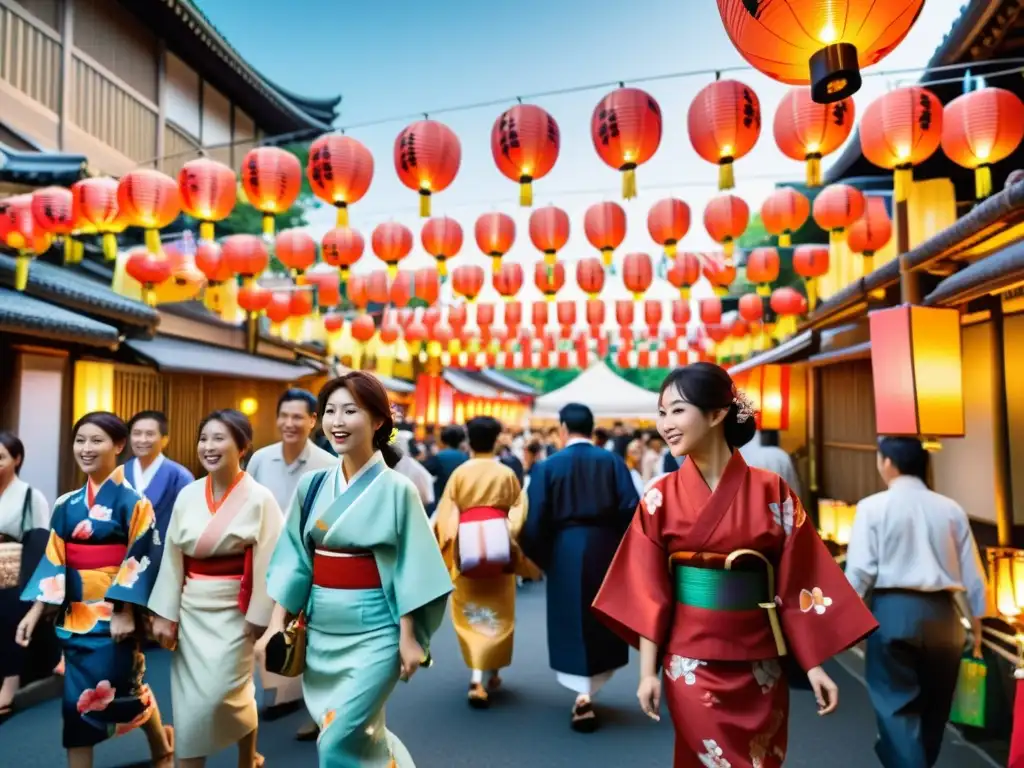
point(608, 395)
point(171, 355)
point(991, 275)
point(466, 385)
point(790, 351)
point(23, 314)
point(398, 386)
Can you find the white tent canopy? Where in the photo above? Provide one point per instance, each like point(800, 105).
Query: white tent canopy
point(608, 395)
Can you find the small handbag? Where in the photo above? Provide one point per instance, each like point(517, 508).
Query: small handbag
point(11, 551)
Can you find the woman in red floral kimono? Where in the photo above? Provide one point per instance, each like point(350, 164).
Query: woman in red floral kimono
point(719, 576)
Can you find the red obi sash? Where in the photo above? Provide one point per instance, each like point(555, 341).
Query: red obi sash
point(92, 557)
point(226, 567)
point(349, 569)
point(484, 544)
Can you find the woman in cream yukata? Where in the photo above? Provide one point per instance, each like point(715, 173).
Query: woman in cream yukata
point(98, 572)
point(366, 572)
point(210, 599)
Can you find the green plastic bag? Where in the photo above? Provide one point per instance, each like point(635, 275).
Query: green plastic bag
point(969, 700)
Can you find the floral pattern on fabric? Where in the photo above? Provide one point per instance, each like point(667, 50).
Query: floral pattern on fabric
point(51, 590)
point(682, 667)
point(712, 756)
point(787, 515)
point(96, 699)
point(83, 531)
point(761, 746)
point(709, 699)
point(483, 619)
point(130, 571)
point(101, 513)
point(653, 500)
point(767, 673)
point(814, 600)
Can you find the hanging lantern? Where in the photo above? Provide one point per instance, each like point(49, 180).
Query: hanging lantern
point(208, 191)
point(271, 180)
point(296, 249)
point(279, 311)
point(783, 212)
point(18, 230)
point(149, 200)
point(96, 204)
point(209, 259)
point(53, 213)
point(427, 159)
point(626, 129)
point(253, 298)
point(245, 255)
point(899, 130)
point(724, 122)
point(566, 314)
point(684, 273)
point(357, 290)
point(808, 131)
point(342, 247)
point(981, 128)
point(824, 45)
point(513, 315)
point(149, 270)
point(442, 239)
point(495, 234)
point(540, 317)
point(427, 285)
point(871, 232)
point(378, 288)
point(725, 219)
point(590, 276)
point(595, 316)
point(508, 280)
point(391, 242)
point(468, 281)
point(637, 274)
point(625, 316)
point(363, 328)
point(788, 304)
point(711, 311)
point(917, 365)
point(767, 386)
point(549, 279)
point(811, 262)
point(334, 323)
point(401, 291)
point(549, 231)
point(525, 141)
point(652, 316)
point(763, 269)
point(751, 307)
point(300, 303)
point(720, 272)
point(325, 286)
point(605, 228)
point(836, 208)
point(339, 171)
point(680, 315)
point(668, 221)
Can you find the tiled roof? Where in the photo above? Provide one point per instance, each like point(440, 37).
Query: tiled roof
point(40, 168)
point(23, 314)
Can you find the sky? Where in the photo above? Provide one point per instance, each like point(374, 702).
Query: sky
point(400, 59)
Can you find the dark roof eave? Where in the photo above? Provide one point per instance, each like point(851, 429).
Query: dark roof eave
point(991, 275)
point(27, 316)
point(792, 350)
point(20, 167)
point(855, 292)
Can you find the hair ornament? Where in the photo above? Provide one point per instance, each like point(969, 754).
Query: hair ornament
point(393, 436)
point(744, 406)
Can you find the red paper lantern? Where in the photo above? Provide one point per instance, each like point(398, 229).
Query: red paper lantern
point(339, 171)
point(245, 255)
point(680, 315)
point(525, 141)
point(296, 249)
point(626, 129)
point(378, 288)
point(625, 316)
point(668, 221)
point(783, 212)
point(508, 280)
point(95, 204)
point(279, 310)
point(871, 232)
point(637, 274)
point(549, 231)
point(342, 247)
point(253, 298)
point(836, 207)
point(209, 260)
point(605, 227)
point(401, 292)
point(726, 218)
point(811, 262)
point(468, 281)
point(334, 323)
point(495, 234)
point(442, 239)
point(389, 334)
point(513, 314)
point(808, 131)
point(53, 213)
point(788, 301)
point(590, 276)
point(751, 307)
point(363, 328)
point(719, 272)
point(358, 291)
point(391, 242)
point(427, 159)
point(300, 303)
point(149, 200)
point(208, 191)
point(684, 273)
point(566, 313)
point(327, 287)
point(763, 269)
point(724, 122)
point(549, 279)
point(149, 270)
point(899, 130)
point(415, 333)
point(652, 316)
point(981, 128)
point(595, 315)
point(427, 285)
point(271, 180)
point(710, 311)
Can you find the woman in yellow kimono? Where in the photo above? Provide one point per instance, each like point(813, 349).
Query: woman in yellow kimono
point(98, 572)
point(210, 598)
point(477, 521)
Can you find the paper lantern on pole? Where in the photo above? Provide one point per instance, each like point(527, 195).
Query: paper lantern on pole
point(590, 276)
point(442, 239)
point(468, 281)
point(821, 44)
point(296, 249)
point(783, 212)
point(427, 285)
point(495, 234)
point(724, 122)
point(725, 219)
point(808, 131)
point(811, 262)
point(271, 181)
point(626, 129)
point(871, 232)
point(53, 212)
point(508, 280)
point(917, 368)
point(763, 266)
point(427, 159)
point(525, 141)
point(605, 227)
point(18, 230)
point(245, 255)
point(668, 221)
point(342, 247)
point(899, 130)
point(209, 191)
point(637, 274)
point(549, 279)
point(339, 170)
point(96, 204)
point(149, 200)
point(149, 270)
point(684, 273)
point(981, 128)
point(391, 242)
point(836, 208)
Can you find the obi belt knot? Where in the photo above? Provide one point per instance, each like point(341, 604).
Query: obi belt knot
point(92, 557)
point(225, 567)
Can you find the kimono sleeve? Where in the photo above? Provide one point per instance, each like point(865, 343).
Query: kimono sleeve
point(134, 581)
point(636, 599)
point(165, 598)
point(290, 570)
point(820, 612)
point(271, 523)
point(47, 583)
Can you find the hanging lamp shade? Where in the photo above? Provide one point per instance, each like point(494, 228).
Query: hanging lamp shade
point(378, 288)
point(549, 279)
point(763, 266)
point(605, 228)
point(811, 262)
point(507, 281)
point(358, 291)
point(253, 298)
point(342, 247)
point(724, 122)
point(637, 274)
point(751, 307)
point(427, 159)
point(711, 311)
point(149, 270)
point(626, 129)
point(468, 281)
point(871, 232)
point(427, 285)
point(720, 272)
point(391, 242)
point(442, 238)
point(680, 315)
point(495, 233)
point(339, 171)
point(149, 200)
point(836, 208)
point(296, 249)
point(684, 273)
point(725, 219)
point(363, 328)
point(96, 206)
point(783, 212)
point(53, 209)
point(807, 131)
point(899, 130)
point(788, 303)
point(590, 276)
point(209, 191)
point(549, 231)
point(402, 288)
point(525, 141)
point(982, 128)
point(821, 43)
point(245, 255)
point(668, 221)
point(18, 230)
point(209, 260)
point(271, 181)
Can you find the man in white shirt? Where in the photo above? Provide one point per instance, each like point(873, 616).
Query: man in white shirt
point(411, 468)
point(763, 452)
point(913, 550)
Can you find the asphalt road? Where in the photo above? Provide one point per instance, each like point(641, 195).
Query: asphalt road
point(527, 726)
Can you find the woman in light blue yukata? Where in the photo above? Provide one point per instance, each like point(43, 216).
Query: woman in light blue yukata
point(364, 567)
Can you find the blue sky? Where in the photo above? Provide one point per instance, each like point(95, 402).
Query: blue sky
point(400, 59)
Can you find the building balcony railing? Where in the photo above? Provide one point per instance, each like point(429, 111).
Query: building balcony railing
point(30, 58)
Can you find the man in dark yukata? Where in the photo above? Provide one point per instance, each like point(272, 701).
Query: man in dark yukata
point(580, 503)
point(150, 472)
point(447, 460)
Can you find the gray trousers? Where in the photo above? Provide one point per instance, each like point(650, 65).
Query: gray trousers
point(911, 667)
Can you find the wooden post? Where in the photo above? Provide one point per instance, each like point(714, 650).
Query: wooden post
point(67, 46)
point(910, 280)
point(1002, 472)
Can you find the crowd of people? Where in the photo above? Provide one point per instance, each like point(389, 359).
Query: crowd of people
point(324, 564)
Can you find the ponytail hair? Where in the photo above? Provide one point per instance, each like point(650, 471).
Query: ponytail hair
point(710, 388)
point(371, 396)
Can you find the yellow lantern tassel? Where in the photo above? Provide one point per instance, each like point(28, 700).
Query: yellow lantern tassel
point(69, 250)
point(670, 249)
point(867, 262)
point(726, 178)
point(424, 203)
point(153, 241)
point(606, 257)
point(275, 329)
point(550, 258)
point(785, 327)
point(812, 293)
point(109, 246)
point(684, 293)
point(728, 247)
point(814, 170)
point(495, 264)
point(526, 191)
point(21, 264)
point(79, 249)
point(206, 230)
point(629, 182)
point(268, 225)
point(764, 289)
point(343, 274)
point(785, 239)
point(637, 296)
point(549, 297)
point(982, 181)
point(836, 237)
point(508, 299)
point(721, 291)
point(240, 196)
point(442, 267)
point(902, 178)
point(341, 216)
point(393, 270)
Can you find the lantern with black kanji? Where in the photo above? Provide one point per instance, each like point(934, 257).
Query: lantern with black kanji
point(339, 171)
point(427, 159)
point(899, 130)
point(53, 211)
point(209, 191)
point(525, 141)
point(724, 122)
point(981, 128)
point(626, 129)
point(271, 181)
point(342, 247)
point(808, 131)
point(149, 200)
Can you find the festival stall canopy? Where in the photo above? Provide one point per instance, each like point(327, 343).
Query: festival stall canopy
point(608, 395)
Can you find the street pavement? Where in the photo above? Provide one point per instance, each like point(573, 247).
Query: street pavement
point(527, 726)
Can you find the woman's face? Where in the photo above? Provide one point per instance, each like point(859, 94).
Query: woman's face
point(348, 426)
point(684, 426)
point(95, 450)
point(217, 448)
point(8, 466)
point(634, 453)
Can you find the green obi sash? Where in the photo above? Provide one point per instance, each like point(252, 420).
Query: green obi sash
point(720, 590)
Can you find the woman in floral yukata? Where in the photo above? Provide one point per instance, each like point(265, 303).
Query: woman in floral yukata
point(719, 576)
point(98, 572)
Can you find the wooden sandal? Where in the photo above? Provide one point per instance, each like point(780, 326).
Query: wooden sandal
point(494, 683)
point(478, 697)
point(584, 719)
